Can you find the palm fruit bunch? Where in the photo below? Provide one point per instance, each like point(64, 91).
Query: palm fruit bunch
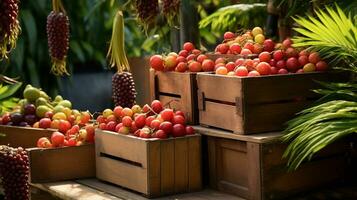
point(123, 86)
point(170, 9)
point(147, 11)
point(9, 26)
point(58, 38)
point(14, 172)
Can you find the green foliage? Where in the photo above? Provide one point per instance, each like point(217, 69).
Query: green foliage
point(7, 101)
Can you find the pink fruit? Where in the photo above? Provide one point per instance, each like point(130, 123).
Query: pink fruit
point(196, 52)
point(167, 114)
point(190, 130)
point(292, 64)
point(57, 139)
point(280, 64)
point(274, 70)
point(124, 130)
point(45, 123)
point(220, 60)
point(264, 56)
point(278, 55)
point(263, 68)
point(180, 59)
point(183, 53)
point(269, 45)
point(242, 71)
point(304, 53)
point(253, 73)
point(201, 58)
point(156, 106)
point(157, 63)
point(140, 120)
point(149, 120)
point(228, 35)
point(170, 63)
point(245, 52)
point(230, 66)
point(208, 65)
point(299, 71)
point(272, 62)
point(160, 134)
point(314, 57)
point(178, 119)
point(258, 48)
point(191, 57)
point(188, 46)
point(195, 66)
point(118, 126)
point(283, 71)
point(235, 48)
point(321, 66)
point(223, 48)
point(249, 46)
point(287, 43)
point(178, 130)
point(166, 127)
point(179, 112)
point(111, 126)
point(181, 67)
point(240, 61)
point(303, 60)
point(155, 124)
point(291, 52)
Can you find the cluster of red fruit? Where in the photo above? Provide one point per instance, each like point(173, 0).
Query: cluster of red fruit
point(188, 59)
point(148, 122)
point(285, 59)
point(251, 42)
point(68, 134)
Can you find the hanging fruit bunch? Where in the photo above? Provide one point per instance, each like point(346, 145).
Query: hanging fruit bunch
point(9, 26)
point(58, 38)
point(170, 10)
point(123, 86)
point(147, 11)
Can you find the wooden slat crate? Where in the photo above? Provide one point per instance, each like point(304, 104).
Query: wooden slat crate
point(152, 167)
point(59, 164)
point(251, 166)
point(22, 136)
point(180, 89)
point(248, 105)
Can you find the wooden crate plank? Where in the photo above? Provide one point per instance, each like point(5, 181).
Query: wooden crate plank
point(173, 102)
point(189, 98)
point(152, 82)
point(212, 164)
point(181, 159)
point(167, 167)
point(154, 163)
point(172, 82)
point(131, 148)
point(218, 87)
point(194, 164)
point(49, 165)
point(254, 173)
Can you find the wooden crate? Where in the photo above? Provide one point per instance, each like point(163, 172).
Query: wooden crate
point(152, 167)
point(248, 105)
point(251, 166)
point(59, 164)
point(22, 136)
point(180, 89)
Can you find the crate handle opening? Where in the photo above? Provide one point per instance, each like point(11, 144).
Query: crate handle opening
point(130, 162)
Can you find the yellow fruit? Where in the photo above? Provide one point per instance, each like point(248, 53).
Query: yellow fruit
point(59, 115)
point(309, 67)
point(36, 125)
point(231, 73)
point(256, 31)
point(76, 113)
point(67, 111)
point(55, 124)
point(259, 38)
point(136, 109)
point(107, 112)
point(58, 108)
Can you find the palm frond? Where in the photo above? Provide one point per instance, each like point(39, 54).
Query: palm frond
point(332, 33)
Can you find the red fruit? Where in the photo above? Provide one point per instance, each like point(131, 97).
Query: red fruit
point(180, 113)
point(274, 70)
point(73, 130)
point(291, 52)
point(299, 71)
point(223, 48)
point(111, 126)
point(241, 71)
point(220, 60)
point(304, 53)
point(263, 68)
point(57, 139)
point(269, 45)
point(6, 118)
point(283, 71)
point(160, 134)
point(222, 70)
point(49, 114)
point(147, 109)
point(188, 46)
point(145, 133)
point(43, 123)
point(183, 53)
point(201, 58)
point(181, 67)
point(190, 130)
point(111, 118)
point(280, 64)
point(133, 128)
point(191, 57)
point(230, 66)
point(228, 35)
point(140, 120)
point(180, 59)
point(137, 133)
point(64, 126)
point(321, 66)
point(155, 124)
point(272, 62)
point(167, 114)
point(127, 121)
point(287, 43)
point(303, 60)
point(178, 119)
point(314, 58)
point(258, 48)
point(65, 143)
point(170, 63)
point(235, 48)
point(101, 119)
point(103, 126)
point(292, 64)
point(178, 130)
point(208, 65)
point(90, 133)
point(253, 73)
point(240, 61)
point(245, 52)
point(264, 56)
point(72, 142)
point(249, 63)
point(249, 46)
point(278, 55)
point(196, 52)
point(166, 126)
point(149, 120)
point(124, 130)
point(157, 62)
point(72, 119)
point(156, 106)
point(118, 126)
point(41, 143)
point(195, 66)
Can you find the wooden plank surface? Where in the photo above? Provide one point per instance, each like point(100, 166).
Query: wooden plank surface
point(257, 138)
point(154, 168)
point(194, 164)
point(167, 167)
point(181, 167)
point(254, 171)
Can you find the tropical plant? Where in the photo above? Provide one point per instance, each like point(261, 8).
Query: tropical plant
point(8, 87)
point(334, 116)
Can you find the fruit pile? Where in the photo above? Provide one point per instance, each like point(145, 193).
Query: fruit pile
point(285, 59)
point(188, 59)
point(251, 42)
point(14, 172)
point(148, 122)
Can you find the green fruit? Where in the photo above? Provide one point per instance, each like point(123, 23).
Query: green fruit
point(28, 86)
point(44, 95)
point(58, 98)
point(22, 104)
point(31, 94)
point(57, 109)
point(41, 110)
point(65, 103)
